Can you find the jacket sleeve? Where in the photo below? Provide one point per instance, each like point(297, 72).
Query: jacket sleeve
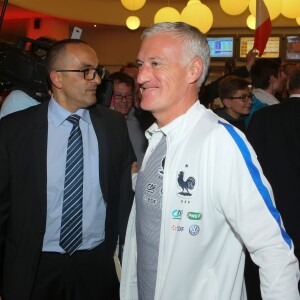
point(245, 197)
point(128, 284)
point(256, 131)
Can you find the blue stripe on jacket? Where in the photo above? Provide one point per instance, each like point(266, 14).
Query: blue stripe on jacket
point(257, 179)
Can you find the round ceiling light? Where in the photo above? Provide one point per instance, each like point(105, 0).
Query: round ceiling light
point(273, 6)
point(133, 5)
point(198, 15)
point(133, 22)
point(233, 7)
point(167, 14)
point(251, 22)
point(290, 9)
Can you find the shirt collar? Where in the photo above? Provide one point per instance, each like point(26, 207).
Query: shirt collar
point(172, 125)
point(58, 114)
point(295, 96)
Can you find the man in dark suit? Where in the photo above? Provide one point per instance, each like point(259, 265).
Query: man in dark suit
point(274, 133)
point(36, 259)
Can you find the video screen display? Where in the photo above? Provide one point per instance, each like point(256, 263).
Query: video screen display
point(293, 47)
point(272, 48)
point(221, 47)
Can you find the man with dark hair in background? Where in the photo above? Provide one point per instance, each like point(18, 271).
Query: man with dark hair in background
point(145, 118)
point(122, 102)
point(209, 92)
point(274, 134)
point(266, 79)
point(236, 96)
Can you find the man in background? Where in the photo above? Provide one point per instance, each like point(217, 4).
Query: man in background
point(266, 79)
point(132, 70)
point(210, 91)
point(236, 97)
point(274, 134)
point(145, 118)
point(122, 101)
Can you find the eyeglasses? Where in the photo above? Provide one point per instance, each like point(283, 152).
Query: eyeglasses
point(121, 97)
point(89, 73)
point(244, 98)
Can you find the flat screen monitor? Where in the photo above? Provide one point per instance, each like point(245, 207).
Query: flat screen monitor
point(292, 47)
point(272, 49)
point(221, 47)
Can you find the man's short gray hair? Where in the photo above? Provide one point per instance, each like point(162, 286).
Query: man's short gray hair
point(194, 42)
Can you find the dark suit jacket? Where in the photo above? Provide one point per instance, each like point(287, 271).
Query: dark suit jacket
point(274, 133)
point(23, 194)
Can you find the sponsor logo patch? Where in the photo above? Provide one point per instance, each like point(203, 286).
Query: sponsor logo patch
point(150, 200)
point(177, 228)
point(186, 185)
point(194, 230)
point(151, 187)
point(194, 216)
point(177, 214)
point(162, 166)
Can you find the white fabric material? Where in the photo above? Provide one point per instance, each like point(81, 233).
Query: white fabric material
point(295, 96)
point(15, 101)
point(265, 97)
point(204, 226)
point(262, 13)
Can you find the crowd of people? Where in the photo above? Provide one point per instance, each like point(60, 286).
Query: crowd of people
point(183, 197)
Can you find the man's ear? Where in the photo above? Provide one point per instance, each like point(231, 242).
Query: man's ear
point(226, 102)
point(56, 79)
point(196, 69)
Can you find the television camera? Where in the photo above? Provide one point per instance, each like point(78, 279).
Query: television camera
point(22, 70)
point(25, 71)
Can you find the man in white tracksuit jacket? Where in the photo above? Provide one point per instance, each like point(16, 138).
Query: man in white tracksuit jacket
point(215, 199)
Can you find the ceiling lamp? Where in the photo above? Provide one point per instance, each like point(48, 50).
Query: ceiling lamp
point(298, 21)
point(273, 6)
point(133, 4)
point(233, 7)
point(197, 15)
point(191, 2)
point(133, 22)
point(251, 22)
point(290, 9)
point(167, 14)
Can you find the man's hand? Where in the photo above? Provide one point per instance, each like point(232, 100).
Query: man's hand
point(134, 169)
point(250, 58)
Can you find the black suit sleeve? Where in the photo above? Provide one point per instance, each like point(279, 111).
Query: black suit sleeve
point(256, 133)
point(126, 192)
point(116, 156)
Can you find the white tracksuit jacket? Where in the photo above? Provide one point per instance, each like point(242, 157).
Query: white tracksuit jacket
point(227, 203)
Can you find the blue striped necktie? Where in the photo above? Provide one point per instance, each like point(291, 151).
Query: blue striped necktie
point(71, 222)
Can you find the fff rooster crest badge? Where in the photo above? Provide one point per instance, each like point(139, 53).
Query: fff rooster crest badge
point(186, 185)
